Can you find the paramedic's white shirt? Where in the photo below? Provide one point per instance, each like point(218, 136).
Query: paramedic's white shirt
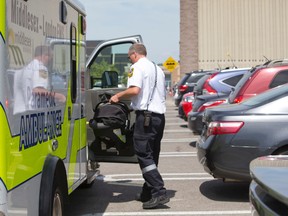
point(142, 75)
point(34, 75)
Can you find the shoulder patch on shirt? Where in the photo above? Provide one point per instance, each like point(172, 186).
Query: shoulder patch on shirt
point(130, 73)
point(43, 74)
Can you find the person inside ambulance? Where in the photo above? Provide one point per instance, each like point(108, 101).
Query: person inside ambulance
point(31, 84)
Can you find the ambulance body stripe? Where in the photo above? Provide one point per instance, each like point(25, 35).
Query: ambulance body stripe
point(2, 108)
point(23, 182)
point(3, 19)
point(1, 180)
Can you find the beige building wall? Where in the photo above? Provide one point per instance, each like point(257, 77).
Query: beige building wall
point(232, 32)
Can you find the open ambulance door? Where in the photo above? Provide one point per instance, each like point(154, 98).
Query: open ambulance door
point(107, 70)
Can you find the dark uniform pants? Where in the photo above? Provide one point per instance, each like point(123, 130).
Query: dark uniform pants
point(147, 143)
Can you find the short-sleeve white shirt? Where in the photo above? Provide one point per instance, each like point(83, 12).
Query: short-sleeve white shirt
point(35, 74)
point(142, 75)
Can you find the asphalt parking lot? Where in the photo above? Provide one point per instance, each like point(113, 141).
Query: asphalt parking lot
point(192, 191)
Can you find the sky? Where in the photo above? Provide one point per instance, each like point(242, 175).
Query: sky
point(157, 21)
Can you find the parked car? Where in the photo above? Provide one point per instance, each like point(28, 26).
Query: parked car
point(198, 88)
point(235, 134)
point(222, 83)
point(186, 84)
point(259, 79)
point(185, 105)
point(268, 190)
point(194, 117)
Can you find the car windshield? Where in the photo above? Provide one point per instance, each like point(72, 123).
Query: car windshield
point(267, 96)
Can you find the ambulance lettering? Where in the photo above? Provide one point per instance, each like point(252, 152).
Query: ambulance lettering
point(38, 128)
point(23, 17)
point(43, 100)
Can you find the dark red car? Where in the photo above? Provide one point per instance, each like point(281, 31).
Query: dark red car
point(259, 79)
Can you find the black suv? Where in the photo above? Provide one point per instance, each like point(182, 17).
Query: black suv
point(186, 84)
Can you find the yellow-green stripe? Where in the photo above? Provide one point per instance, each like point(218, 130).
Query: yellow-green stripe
point(2, 18)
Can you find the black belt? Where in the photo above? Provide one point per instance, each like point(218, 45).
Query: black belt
point(142, 112)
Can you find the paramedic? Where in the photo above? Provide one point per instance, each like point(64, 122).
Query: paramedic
point(148, 100)
point(31, 82)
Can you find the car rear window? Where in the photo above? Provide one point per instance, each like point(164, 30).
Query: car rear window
point(183, 79)
point(232, 81)
point(280, 79)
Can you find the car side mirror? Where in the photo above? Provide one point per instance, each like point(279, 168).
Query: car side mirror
point(110, 79)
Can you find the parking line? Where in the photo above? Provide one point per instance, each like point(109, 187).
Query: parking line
point(177, 131)
point(107, 179)
point(173, 123)
point(182, 155)
point(154, 213)
point(178, 154)
point(165, 176)
point(178, 140)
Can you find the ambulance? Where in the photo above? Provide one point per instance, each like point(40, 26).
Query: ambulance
point(47, 98)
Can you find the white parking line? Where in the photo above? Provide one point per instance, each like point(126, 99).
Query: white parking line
point(108, 179)
point(178, 140)
point(178, 154)
point(18, 212)
point(182, 155)
point(154, 213)
point(177, 131)
point(173, 123)
point(165, 176)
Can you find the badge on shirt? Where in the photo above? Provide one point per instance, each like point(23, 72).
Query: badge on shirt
point(130, 73)
point(43, 74)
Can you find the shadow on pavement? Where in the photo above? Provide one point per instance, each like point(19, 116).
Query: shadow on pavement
point(225, 191)
point(97, 198)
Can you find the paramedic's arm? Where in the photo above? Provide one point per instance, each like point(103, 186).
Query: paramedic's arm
point(59, 97)
point(126, 94)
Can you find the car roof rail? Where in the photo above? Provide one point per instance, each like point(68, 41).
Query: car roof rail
point(198, 71)
point(277, 62)
point(235, 69)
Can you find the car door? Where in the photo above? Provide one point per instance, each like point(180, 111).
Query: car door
point(107, 70)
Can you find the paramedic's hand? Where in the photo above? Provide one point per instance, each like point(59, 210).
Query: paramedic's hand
point(114, 99)
point(60, 97)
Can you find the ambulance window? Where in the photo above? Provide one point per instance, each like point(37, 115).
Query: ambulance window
point(61, 68)
point(73, 33)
